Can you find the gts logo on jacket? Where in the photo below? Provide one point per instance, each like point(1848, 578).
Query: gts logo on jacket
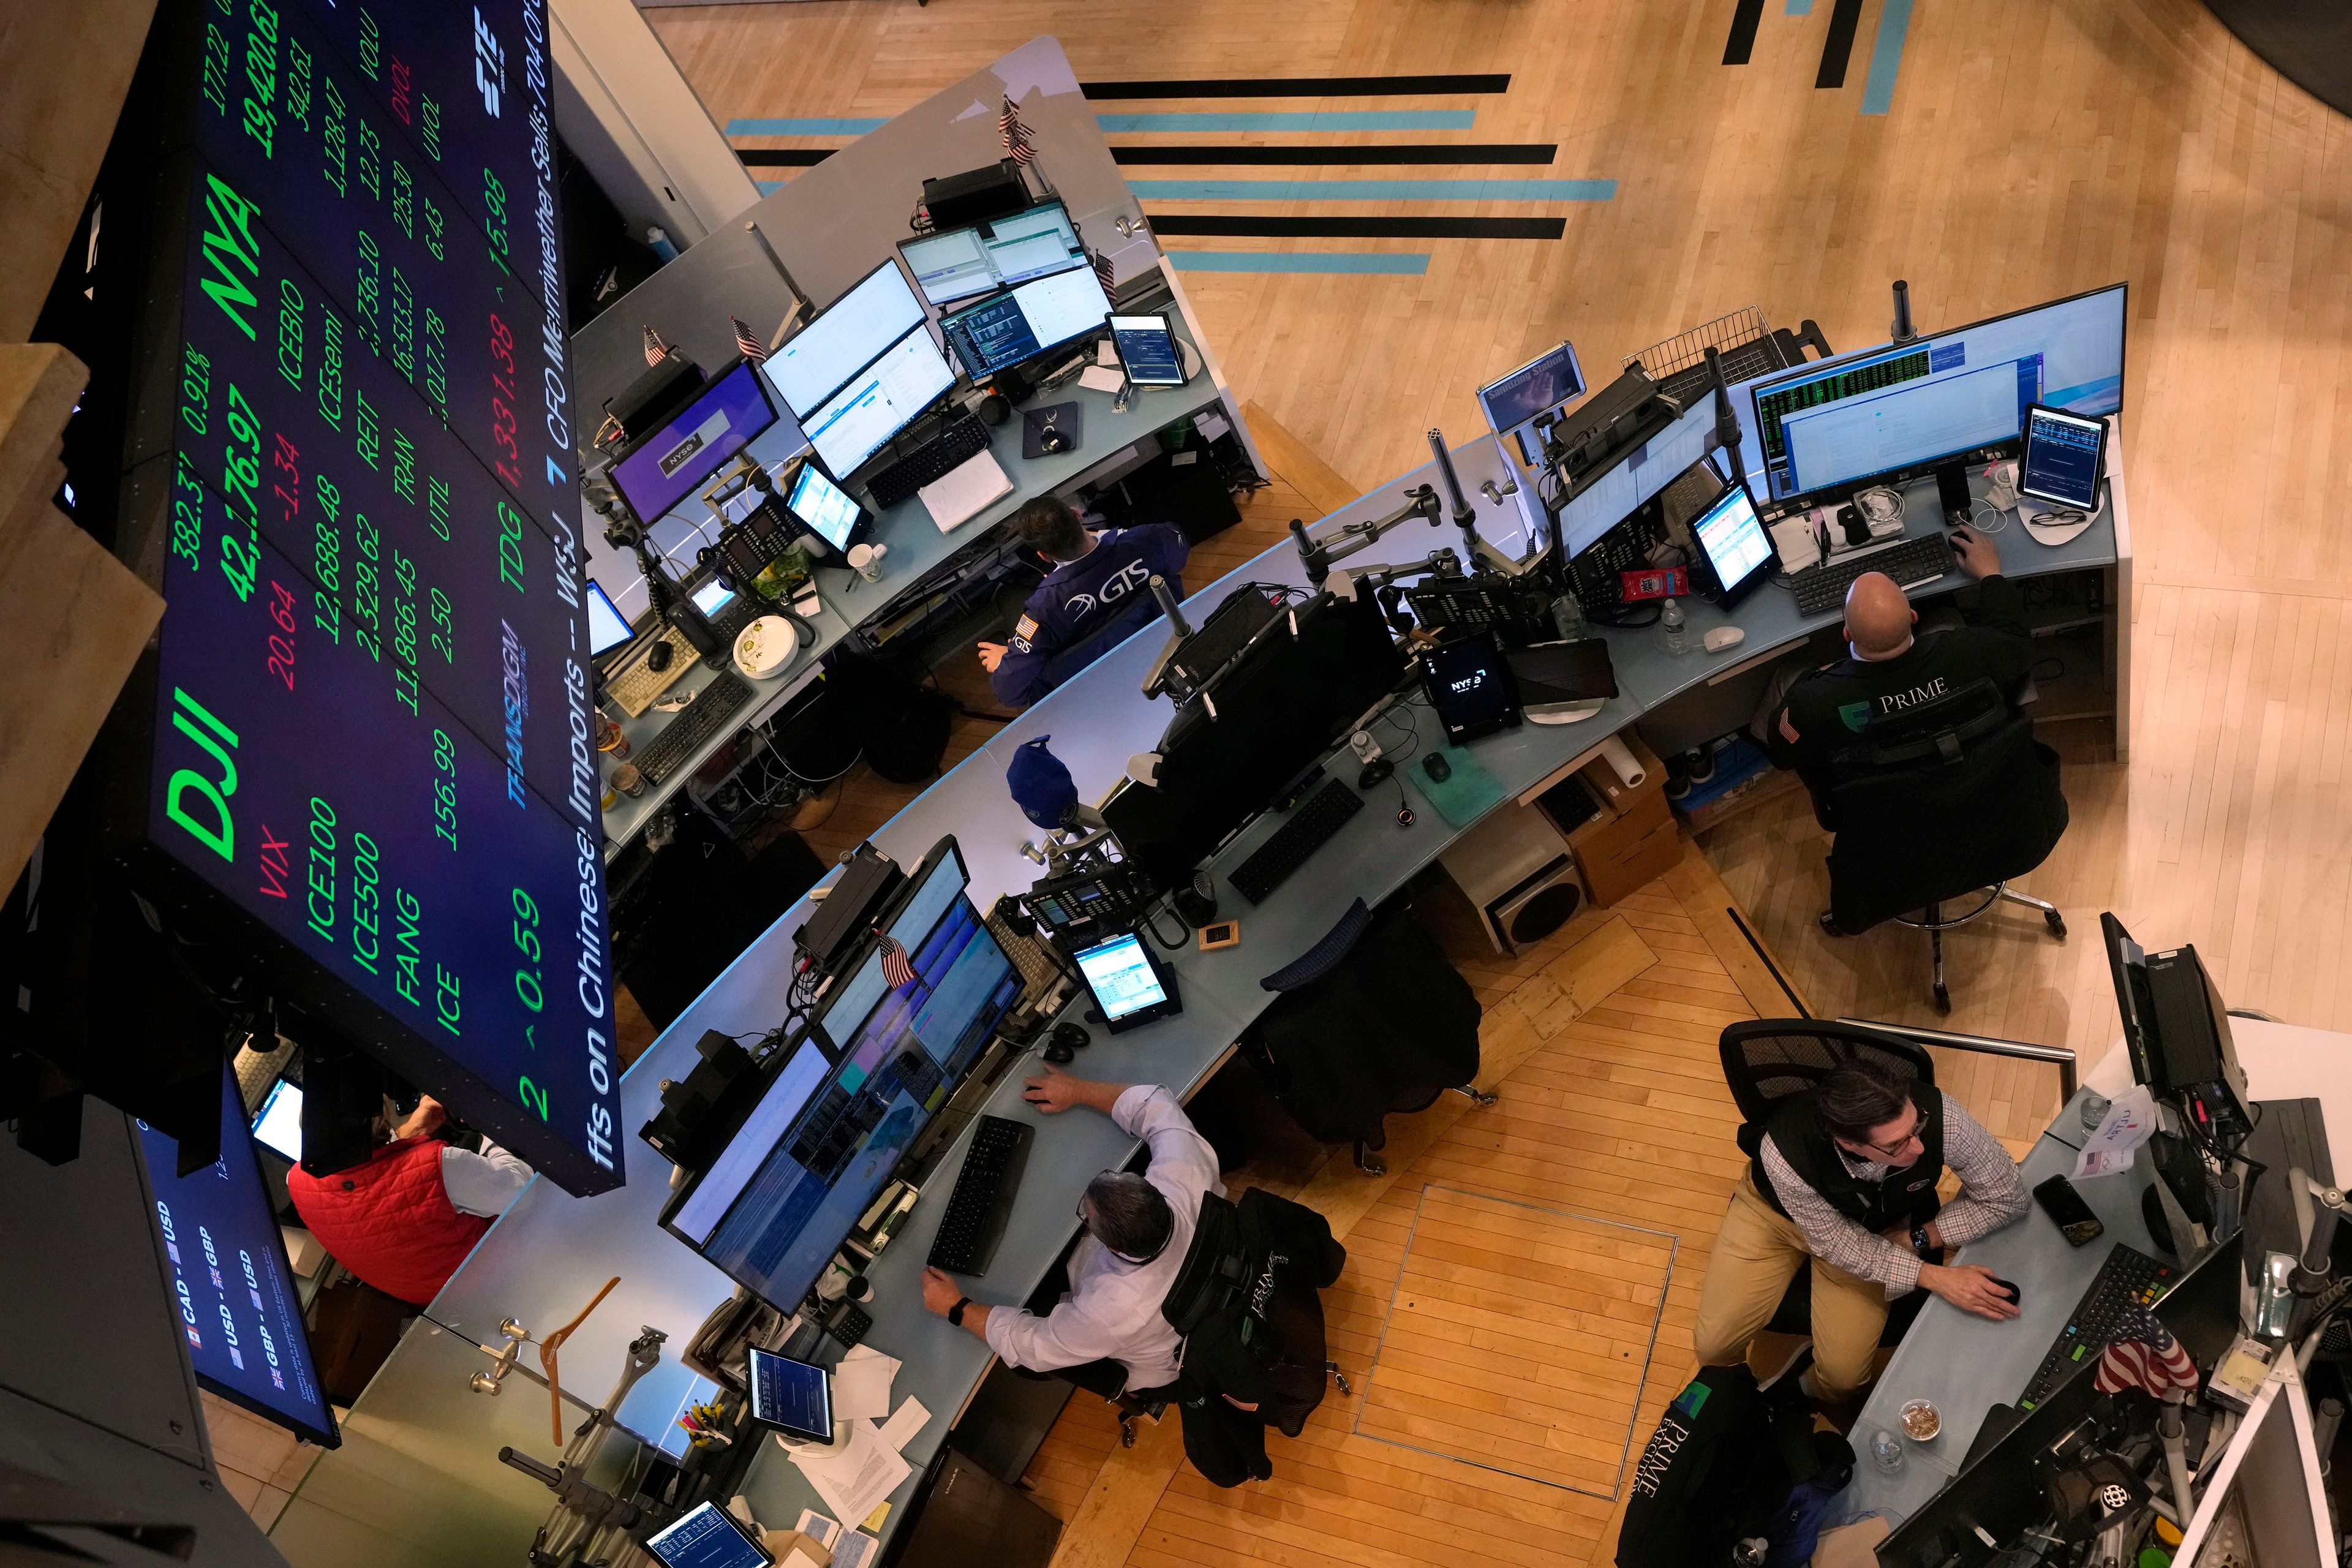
point(1115, 587)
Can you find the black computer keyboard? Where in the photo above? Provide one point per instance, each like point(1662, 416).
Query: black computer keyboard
point(958, 442)
point(2128, 1277)
point(1295, 842)
point(982, 1199)
point(688, 729)
point(1915, 561)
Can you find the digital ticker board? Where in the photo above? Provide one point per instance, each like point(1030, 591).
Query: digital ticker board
point(372, 707)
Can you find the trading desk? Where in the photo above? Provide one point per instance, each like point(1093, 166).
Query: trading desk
point(1962, 1362)
point(915, 545)
point(550, 1253)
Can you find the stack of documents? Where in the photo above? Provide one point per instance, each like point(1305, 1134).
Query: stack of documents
point(961, 494)
point(860, 1471)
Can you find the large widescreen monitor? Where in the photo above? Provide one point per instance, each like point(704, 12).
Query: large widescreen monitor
point(850, 334)
point(1837, 425)
point(357, 730)
point(654, 474)
point(960, 263)
point(881, 400)
point(877, 1064)
point(1037, 317)
point(236, 1296)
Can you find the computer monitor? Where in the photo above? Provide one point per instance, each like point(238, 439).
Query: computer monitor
point(2176, 1034)
point(234, 1293)
point(960, 263)
point(880, 400)
point(1279, 707)
point(607, 628)
point(877, 1063)
point(1998, 1489)
point(654, 474)
point(825, 509)
point(277, 1125)
point(1037, 317)
point(849, 334)
point(1512, 401)
point(2065, 456)
point(1739, 552)
point(1127, 983)
point(708, 1536)
point(1888, 413)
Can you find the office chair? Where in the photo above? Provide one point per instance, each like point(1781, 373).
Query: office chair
point(1765, 1061)
point(1935, 805)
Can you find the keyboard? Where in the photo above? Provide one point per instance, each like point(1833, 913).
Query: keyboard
point(638, 685)
point(2126, 1278)
point(982, 1199)
point(1295, 842)
point(1912, 563)
point(706, 716)
point(958, 441)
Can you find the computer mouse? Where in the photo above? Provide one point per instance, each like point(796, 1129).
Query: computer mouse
point(1058, 1054)
point(657, 658)
point(1438, 769)
point(1375, 771)
point(1068, 1039)
point(1723, 637)
point(2014, 1295)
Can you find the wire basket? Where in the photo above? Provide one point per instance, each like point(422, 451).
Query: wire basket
point(1684, 349)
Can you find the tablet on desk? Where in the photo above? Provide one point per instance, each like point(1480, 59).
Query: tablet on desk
point(792, 1396)
point(707, 1536)
point(1128, 983)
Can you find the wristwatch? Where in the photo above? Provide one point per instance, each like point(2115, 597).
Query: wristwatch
point(955, 1313)
point(1919, 1242)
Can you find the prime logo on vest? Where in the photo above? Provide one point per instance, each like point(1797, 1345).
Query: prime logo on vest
point(1894, 701)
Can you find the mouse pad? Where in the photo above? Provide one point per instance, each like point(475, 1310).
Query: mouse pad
point(1470, 794)
point(1063, 416)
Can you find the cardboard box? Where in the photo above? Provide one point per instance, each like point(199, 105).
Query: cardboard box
point(1620, 855)
point(791, 1549)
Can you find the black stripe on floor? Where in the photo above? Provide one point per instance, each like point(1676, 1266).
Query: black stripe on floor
point(1359, 227)
point(1838, 48)
point(1298, 86)
point(1741, 44)
point(1392, 152)
point(784, 157)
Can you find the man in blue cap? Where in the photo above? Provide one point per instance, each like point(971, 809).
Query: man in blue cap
point(1100, 582)
point(1041, 787)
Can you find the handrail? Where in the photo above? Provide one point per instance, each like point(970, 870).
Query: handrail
point(2059, 1057)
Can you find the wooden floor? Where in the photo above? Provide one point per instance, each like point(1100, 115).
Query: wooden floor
point(2029, 149)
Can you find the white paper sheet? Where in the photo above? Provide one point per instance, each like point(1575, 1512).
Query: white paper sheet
point(853, 1482)
point(861, 1384)
point(904, 1423)
point(2130, 1123)
point(958, 496)
point(1102, 380)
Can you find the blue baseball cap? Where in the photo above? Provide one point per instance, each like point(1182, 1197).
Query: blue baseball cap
point(1041, 787)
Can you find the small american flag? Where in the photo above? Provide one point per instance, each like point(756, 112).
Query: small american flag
point(747, 342)
point(1016, 135)
point(654, 347)
point(2146, 1356)
point(897, 969)
point(1102, 268)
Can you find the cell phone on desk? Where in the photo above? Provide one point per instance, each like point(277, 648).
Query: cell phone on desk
point(2066, 1208)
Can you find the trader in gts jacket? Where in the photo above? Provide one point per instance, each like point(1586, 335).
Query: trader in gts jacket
point(1100, 582)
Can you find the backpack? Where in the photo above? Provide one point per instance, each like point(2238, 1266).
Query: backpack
point(1730, 1462)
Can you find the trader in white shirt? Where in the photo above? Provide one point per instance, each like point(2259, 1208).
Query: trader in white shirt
point(1106, 1334)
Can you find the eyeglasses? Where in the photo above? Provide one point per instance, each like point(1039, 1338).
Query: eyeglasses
point(1896, 1151)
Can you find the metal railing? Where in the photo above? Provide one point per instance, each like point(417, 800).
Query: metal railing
point(2059, 1057)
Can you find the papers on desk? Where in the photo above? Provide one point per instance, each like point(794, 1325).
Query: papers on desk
point(1097, 378)
point(2130, 1123)
point(907, 1420)
point(851, 1480)
point(956, 497)
point(861, 1384)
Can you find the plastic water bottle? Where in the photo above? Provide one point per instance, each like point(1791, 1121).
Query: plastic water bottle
point(1676, 626)
point(1568, 618)
point(1886, 1450)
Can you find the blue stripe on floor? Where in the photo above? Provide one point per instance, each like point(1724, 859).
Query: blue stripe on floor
point(803, 127)
point(1411, 264)
point(770, 187)
point(1800, 7)
point(1886, 57)
point(1298, 119)
point(1498, 190)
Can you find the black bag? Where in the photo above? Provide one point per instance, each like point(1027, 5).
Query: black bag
point(1722, 1466)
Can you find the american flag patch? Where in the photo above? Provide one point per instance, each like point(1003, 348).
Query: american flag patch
point(1026, 627)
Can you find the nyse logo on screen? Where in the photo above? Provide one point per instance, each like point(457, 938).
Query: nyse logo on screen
point(489, 64)
point(1470, 682)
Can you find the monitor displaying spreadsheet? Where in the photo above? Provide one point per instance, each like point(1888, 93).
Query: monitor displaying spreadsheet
point(882, 400)
point(2063, 458)
point(1034, 319)
point(706, 1538)
point(818, 361)
point(823, 508)
point(962, 263)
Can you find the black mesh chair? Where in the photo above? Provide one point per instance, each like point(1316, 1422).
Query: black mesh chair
point(1765, 1062)
point(1935, 809)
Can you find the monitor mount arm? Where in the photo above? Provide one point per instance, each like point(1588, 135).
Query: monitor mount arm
point(1726, 419)
point(623, 531)
point(1082, 841)
point(1180, 631)
point(1351, 538)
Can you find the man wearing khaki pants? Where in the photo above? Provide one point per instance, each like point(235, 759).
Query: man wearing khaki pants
point(1844, 1175)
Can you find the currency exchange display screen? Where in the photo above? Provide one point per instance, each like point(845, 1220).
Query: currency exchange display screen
point(373, 705)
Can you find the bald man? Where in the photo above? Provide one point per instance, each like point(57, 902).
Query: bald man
point(1892, 663)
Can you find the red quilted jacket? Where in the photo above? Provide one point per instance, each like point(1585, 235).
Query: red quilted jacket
point(390, 1221)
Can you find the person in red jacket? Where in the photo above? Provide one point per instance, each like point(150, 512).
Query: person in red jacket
point(406, 1219)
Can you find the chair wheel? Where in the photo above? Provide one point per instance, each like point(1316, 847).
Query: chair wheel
point(1943, 998)
point(2056, 922)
